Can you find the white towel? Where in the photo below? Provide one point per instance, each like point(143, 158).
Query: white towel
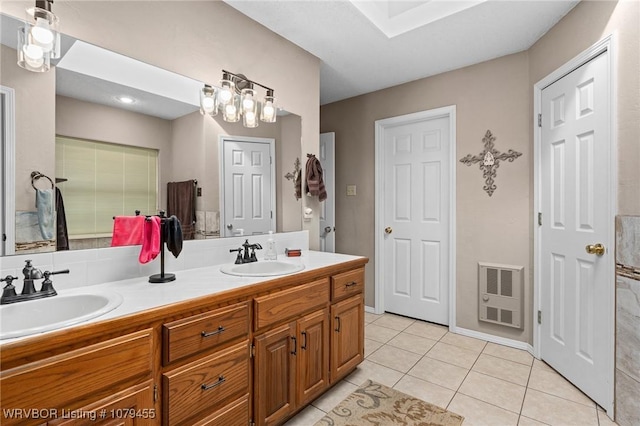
point(46, 216)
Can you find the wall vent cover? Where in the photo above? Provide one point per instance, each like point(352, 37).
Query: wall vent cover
point(500, 294)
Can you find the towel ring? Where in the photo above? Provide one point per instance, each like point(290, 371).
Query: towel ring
point(37, 175)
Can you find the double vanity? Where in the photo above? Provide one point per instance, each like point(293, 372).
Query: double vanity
point(239, 346)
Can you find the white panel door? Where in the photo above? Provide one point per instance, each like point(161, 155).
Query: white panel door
point(416, 218)
point(576, 213)
point(247, 188)
point(328, 206)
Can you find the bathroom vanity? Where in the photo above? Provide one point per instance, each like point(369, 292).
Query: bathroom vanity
point(254, 352)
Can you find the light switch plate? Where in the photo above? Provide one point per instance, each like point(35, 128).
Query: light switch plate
point(351, 190)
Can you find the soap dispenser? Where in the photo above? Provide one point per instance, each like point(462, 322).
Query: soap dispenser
point(271, 248)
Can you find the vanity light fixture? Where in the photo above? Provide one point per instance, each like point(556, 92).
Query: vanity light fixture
point(237, 98)
point(39, 39)
point(208, 101)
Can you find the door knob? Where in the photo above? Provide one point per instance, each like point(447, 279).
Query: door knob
point(597, 249)
point(229, 226)
point(388, 230)
point(327, 229)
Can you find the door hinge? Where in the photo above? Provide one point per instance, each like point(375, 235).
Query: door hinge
point(539, 120)
point(539, 317)
point(252, 350)
point(155, 393)
point(540, 218)
point(4, 237)
point(252, 423)
point(271, 212)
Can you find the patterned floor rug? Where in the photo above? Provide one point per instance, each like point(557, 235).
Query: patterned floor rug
point(374, 404)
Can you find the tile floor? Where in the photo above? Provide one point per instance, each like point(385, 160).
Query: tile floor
point(488, 384)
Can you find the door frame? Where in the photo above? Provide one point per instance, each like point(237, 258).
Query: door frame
point(8, 205)
point(272, 154)
point(380, 125)
point(330, 184)
point(607, 44)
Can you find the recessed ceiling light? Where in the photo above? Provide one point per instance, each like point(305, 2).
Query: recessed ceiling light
point(125, 99)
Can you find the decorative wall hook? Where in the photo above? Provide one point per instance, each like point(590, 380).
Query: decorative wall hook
point(489, 160)
point(296, 170)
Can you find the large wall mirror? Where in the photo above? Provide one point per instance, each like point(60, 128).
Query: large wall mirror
point(75, 126)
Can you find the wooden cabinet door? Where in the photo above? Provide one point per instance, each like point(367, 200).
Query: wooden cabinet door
point(313, 356)
point(275, 374)
point(347, 336)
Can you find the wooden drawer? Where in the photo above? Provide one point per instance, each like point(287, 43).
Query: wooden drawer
point(57, 381)
point(191, 335)
point(196, 389)
point(234, 414)
point(279, 306)
point(346, 284)
point(130, 407)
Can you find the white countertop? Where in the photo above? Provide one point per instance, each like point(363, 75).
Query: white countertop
point(140, 295)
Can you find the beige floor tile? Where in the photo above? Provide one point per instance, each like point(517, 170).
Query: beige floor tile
point(379, 334)
point(558, 411)
point(453, 355)
point(370, 317)
point(306, 417)
point(512, 354)
point(334, 396)
point(553, 383)
point(494, 391)
point(370, 346)
point(395, 358)
point(502, 369)
point(604, 420)
point(412, 343)
point(395, 322)
point(434, 394)
point(426, 330)
point(464, 341)
point(541, 365)
point(439, 373)
point(480, 413)
point(376, 372)
point(526, 421)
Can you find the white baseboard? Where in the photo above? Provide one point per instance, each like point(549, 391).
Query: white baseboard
point(493, 339)
point(369, 309)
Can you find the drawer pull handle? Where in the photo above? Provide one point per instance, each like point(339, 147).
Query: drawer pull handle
point(220, 381)
point(304, 345)
point(212, 333)
point(338, 326)
point(351, 284)
point(295, 346)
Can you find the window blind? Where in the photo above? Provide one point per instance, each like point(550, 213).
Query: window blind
point(104, 180)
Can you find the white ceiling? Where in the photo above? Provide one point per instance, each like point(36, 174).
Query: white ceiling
point(401, 41)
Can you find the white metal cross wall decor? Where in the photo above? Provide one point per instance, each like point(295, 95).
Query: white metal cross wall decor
point(489, 160)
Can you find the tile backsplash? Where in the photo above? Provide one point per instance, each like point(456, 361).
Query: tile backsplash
point(627, 383)
point(96, 266)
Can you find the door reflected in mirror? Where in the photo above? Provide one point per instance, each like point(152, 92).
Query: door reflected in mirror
point(147, 124)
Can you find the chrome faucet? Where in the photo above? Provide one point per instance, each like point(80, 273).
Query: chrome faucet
point(28, 288)
point(243, 252)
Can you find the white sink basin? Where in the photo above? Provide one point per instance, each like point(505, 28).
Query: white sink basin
point(262, 269)
point(36, 316)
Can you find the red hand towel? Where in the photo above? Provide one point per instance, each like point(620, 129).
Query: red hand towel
point(127, 231)
point(151, 240)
